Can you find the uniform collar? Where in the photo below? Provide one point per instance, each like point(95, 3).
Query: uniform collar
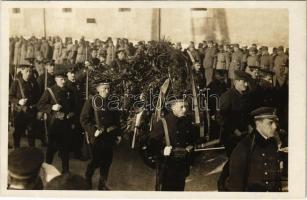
point(265, 137)
point(262, 140)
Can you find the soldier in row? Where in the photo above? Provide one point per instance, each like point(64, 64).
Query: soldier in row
point(24, 97)
point(59, 103)
point(100, 118)
point(172, 141)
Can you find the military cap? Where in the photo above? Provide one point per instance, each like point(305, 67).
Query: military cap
point(253, 67)
point(68, 181)
point(252, 49)
point(60, 70)
point(71, 68)
point(25, 162)
point(264, 48)
point(280, 48)
point(266, 72)
point(210, 42)
point(23, 66)
point(30, 60)
point(264, 112)
point(221, 72)
point(191, 44)
point(235, 45)
point(241, 75)
point(48, 61)
point(101, 81)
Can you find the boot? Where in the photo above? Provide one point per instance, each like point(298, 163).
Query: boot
point(89, 174)
point(89, 182)
point(102, 184)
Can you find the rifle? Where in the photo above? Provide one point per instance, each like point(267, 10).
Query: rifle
point(88, 144)
point(45, 114)
point(137, 124)
point(198, 116)
point(157, 115)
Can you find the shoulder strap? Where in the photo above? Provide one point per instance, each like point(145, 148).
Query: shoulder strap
point(21, 89)
point(191, 56)
point(52, 95)
point(167, 140)
point(96, 115)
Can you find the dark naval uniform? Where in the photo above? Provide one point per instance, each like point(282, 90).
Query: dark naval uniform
point(108, 121)
point(255, 168)
point(77, 129)
point(24, 116)
point(59, 138)
point(176, 167)
point(234, 114)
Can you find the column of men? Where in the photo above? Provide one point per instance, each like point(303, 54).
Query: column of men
point(244, 79)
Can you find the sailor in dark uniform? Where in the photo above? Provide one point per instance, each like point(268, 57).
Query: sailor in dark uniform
point(75, 86)
point(172, 140)
point(59, 103)
point(23, 96)
point(101, 120)
point(254, 164)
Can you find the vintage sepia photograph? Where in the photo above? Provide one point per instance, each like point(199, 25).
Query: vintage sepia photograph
point(152, 98)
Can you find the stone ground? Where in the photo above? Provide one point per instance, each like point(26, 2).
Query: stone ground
point(128, 172)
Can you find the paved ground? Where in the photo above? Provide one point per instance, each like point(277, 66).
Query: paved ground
point(128, 172)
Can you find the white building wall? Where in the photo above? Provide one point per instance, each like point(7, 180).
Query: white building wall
point(244, 26)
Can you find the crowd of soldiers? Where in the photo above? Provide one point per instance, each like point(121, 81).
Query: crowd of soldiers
point(50, 101)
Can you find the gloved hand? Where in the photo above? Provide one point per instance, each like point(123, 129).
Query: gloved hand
point(97, 133)
point(118, 139)
point(238, 133)
point(39, 115)
point(189, 148)
point(22, 102)
point(167, 150)
point(56, 107)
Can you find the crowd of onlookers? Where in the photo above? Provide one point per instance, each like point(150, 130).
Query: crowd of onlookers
point(210, 54)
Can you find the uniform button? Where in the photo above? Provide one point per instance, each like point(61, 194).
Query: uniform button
point(266, 182)
point(263, 154)
point(265, 164)
point(265, 173)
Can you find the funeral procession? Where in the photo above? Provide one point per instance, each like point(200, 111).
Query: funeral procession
point(113, 109)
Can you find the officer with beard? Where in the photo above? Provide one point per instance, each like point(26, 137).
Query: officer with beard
point(59, 103)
